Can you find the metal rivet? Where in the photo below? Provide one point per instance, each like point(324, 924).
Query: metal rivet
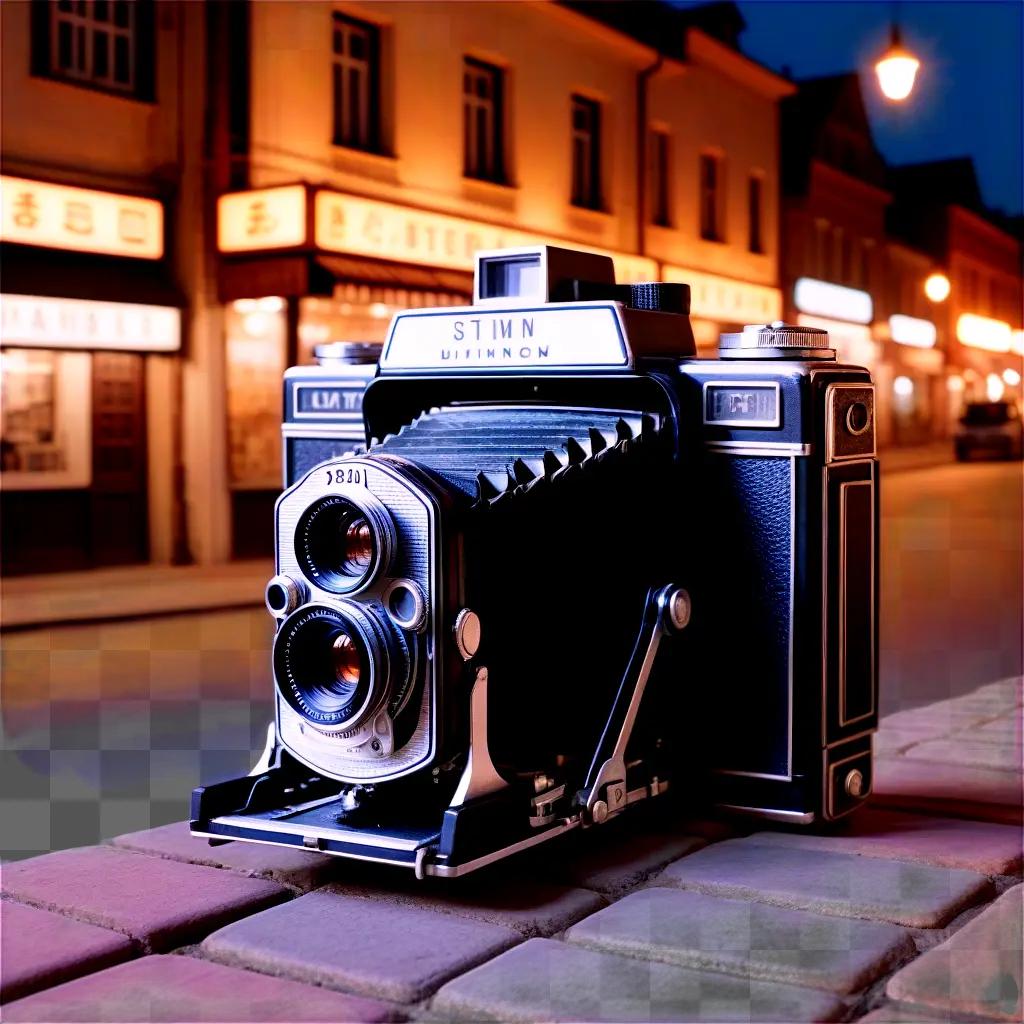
point(467, 633)
point(854, 782)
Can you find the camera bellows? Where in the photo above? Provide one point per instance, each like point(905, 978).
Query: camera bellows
point(491, 452)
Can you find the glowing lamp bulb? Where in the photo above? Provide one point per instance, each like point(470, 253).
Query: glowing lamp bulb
point(1011, 377)
point(994, 387)
point(936, 287)
point(897, 70)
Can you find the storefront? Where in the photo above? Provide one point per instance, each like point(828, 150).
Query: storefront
point(913, 374)
point(303, 266)
point(989, 363)
point(87, 303)
point(719, 304)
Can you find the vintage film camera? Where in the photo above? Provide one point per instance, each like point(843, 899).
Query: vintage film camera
point(575, 566)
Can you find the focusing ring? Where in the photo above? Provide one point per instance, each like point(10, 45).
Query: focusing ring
point(305, 667)
point(322, 533)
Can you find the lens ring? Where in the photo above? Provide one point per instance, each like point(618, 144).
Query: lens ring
point(331, 665)
point(340, 545)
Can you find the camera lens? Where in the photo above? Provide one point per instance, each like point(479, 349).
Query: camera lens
point(340, 546)
point(331, 665)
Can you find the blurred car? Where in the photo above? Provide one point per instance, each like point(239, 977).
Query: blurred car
point(990, 430)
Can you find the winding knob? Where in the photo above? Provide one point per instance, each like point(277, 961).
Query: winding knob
point(777, 339)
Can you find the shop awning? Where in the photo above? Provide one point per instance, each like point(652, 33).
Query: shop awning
point(302, 274)
point(26, 270)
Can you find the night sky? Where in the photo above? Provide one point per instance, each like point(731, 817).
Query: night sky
point(967, 101)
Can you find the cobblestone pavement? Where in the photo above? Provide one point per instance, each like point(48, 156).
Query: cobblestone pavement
point(911, 911)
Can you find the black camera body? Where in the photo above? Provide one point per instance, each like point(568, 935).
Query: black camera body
point(574, 567)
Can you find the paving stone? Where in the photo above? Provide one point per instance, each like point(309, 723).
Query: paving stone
point(754, 940)
point(892, 1014)
point(553, 981)
point(499, 896)
point(916, 895)
point(985, 847)
point(39, 949)
point(977, 971)
point(960, 749)
point(948, 789)
point(302, 869)
point(618, 857)
point(1005, 729)
point(161, 903)
point(182, 988)
point(397, 953)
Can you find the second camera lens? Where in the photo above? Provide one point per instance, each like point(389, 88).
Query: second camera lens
point(340, 547)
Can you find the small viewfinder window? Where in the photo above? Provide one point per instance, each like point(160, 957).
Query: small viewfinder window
point(510, 277)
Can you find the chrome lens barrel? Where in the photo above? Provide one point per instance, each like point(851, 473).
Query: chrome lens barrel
point(333, 665)
point(342, 546)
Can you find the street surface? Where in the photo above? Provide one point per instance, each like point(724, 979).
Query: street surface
point(108, 727)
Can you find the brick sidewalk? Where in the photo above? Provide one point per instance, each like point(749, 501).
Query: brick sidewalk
point(909, 912)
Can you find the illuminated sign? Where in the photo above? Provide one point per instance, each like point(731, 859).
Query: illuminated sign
point(853, 342)
point(266, 218)
point(80, 219)
point(276, 218)
point(910, 330)
point(38, 322)
point(725, 300)
point(822, 298)
point(983, 332)
point(1017, 342)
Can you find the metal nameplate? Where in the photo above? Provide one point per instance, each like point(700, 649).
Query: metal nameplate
point(556, 336)
point(339, 400)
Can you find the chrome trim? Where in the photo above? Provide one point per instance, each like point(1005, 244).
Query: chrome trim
point(315, 430)
point(326, 853)
point(792, 613)
point(831, 425)
point(779, 448)
point(334, 382)
point(455, 870)
point(339, 834)
point(479, 777)
point(762, 384)
point(870, 484)
point(794, 817)
point(850, 739)
point(830, 788)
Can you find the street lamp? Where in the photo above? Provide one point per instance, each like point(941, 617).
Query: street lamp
point(936, 287)
point(896, 68)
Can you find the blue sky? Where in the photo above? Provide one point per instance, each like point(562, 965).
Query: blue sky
point(968, 100)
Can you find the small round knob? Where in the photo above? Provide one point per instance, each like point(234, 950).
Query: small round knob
point(854, 782)
point(599, 812)
point(467, 633)
point(283, 595)
point(777, 339)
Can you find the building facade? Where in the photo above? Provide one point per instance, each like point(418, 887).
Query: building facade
point(101, 140)
point(379, 145)
point(939, 210)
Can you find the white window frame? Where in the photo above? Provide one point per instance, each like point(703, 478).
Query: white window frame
point(79, 17)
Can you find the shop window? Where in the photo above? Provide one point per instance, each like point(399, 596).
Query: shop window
point(483, 121)
point(101, 44)
point(356, 83)
point(710, 199)
point(661, 172)
point(755, 211)
point(256, 335)
point(586, 153)
point(45, 419)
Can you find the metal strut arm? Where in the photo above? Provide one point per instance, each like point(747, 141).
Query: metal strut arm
point(604, 793)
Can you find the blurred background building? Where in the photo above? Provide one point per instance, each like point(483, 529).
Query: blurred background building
point(196, 194)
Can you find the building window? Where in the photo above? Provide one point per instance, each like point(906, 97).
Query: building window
point(586, 153)
point(755, 209)
point(483, 127)
point(102, 44)
point(356, 83)
point(660, 178)
point(711, 198)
